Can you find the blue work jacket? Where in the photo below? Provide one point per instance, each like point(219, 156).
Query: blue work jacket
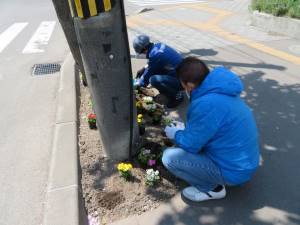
point(162, 60)
point(221, 125)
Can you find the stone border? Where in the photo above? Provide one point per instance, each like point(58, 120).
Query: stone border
point(281, 25)
point(64, 203)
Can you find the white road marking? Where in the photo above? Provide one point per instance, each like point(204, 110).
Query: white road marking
point(164, 2)
point(40, 38)
point(10, 33)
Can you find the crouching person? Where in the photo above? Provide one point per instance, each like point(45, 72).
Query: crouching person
point(219, 144)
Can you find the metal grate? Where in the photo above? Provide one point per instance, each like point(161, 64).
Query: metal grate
point(45, 69)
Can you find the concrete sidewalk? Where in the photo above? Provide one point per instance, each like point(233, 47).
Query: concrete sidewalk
point(219, 33)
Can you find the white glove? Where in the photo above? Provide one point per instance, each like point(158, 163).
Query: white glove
point(136, 82)
point(180, 125)
point(171, 131)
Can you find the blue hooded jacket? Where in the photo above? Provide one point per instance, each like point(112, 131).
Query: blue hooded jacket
point(221, 125)
point(162, 60)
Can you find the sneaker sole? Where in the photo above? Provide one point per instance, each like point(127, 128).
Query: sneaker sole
point(193, 203)
point(190, 202)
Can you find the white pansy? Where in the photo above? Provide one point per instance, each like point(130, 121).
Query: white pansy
point(152, 176)
point(150, 107)
point(147, 99)
point(146, 152)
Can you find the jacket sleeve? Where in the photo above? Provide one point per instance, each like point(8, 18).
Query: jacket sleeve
point(153, 66)
point(201, 126)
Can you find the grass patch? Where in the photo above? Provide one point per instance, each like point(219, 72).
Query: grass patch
point(289, 8)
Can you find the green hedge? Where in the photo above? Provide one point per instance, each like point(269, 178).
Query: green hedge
point(289, 8)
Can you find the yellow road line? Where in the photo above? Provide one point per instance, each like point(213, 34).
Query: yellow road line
point(212, 26)
point(142, 21)
point(261, 47)
point(221, 15)
point(131, 23)
point(107, 5)
point(92, 7)
point(181, 6)
point(209, 9)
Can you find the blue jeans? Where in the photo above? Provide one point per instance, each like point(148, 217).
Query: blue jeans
point(166, 85)
point(196, 169)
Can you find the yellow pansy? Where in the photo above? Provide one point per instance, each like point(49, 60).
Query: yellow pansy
point(124, 167)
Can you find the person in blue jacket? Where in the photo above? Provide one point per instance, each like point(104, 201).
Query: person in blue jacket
point(160, 71)
point(219, 144)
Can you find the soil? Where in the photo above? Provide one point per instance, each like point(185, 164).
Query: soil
point(108, 196)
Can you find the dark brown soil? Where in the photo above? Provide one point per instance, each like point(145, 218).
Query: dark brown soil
point(106, 194)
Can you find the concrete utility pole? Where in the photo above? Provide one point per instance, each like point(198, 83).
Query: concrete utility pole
point(63, 11)
point(102, 36)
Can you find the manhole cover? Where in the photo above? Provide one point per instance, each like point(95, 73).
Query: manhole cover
point(45, 69)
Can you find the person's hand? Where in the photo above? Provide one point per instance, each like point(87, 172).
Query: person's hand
point(171, 131)
point(179, 125)
point(137, 83)
point(140, 72)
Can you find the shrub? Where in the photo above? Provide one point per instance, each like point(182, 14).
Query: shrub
point(278, 7)
point(294, 12)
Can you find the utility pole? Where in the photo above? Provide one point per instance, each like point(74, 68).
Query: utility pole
point(65, 17)
point(101, 32)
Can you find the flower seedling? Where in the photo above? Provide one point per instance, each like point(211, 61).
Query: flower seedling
point(156, 118)
point(151, 162)
point(124, 170)
point(83, 79)
point(144, 156)
point(90, 103)
point(92, 120)
point(139, 107)
point(150, 108)
point(147, 99)
point(152, 177)
point(141, 124)
point(140, 118)
point(167, 121)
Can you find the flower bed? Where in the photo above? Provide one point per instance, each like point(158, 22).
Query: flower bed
point(114, 191)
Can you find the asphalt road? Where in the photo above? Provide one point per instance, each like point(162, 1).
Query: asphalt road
point(29, 34)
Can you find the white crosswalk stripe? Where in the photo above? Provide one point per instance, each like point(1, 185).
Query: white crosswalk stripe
point(40, 38)
point(37, 42)
point(164, 2)
point(10, 34)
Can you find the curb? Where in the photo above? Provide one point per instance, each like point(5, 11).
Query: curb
point(281, 25)
point(64, 204)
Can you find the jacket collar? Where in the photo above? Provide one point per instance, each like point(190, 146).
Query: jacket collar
point(151, 45)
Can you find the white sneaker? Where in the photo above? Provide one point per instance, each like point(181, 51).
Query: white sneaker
point(193, 194)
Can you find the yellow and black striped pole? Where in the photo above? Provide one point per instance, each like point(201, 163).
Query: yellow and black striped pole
point(88, 8)
point(103, 43)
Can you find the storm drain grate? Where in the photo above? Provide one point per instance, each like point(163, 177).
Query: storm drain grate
point(45, 69)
